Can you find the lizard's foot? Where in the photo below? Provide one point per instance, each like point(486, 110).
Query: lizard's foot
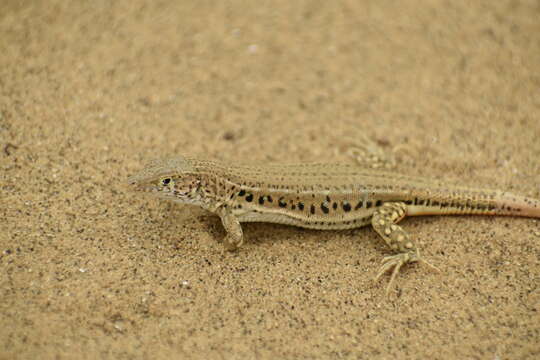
point(368, 153)
point(396, 262)
point(371, 158)
point(232, 243)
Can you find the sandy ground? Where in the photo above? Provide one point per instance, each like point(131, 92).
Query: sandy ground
point(89, 91)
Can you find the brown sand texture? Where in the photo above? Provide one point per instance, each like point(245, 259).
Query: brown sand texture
point(92, 90)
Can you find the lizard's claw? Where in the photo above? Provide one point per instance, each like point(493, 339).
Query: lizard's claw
point(396, 262)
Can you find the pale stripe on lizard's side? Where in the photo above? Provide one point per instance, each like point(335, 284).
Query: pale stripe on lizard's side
point(321, 196)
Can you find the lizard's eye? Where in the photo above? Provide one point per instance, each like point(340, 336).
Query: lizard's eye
point(165, 181)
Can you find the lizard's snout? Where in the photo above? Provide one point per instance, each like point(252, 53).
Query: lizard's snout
point(131, 180)
point(134, 181)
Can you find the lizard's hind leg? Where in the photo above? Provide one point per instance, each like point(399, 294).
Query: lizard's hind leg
point(384, 221)
point(367, 153)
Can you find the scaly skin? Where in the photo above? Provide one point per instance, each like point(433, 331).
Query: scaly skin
point(321, 196)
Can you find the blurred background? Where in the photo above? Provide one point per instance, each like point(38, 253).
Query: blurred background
point(90, 90)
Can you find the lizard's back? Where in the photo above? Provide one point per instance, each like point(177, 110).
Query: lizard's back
point(319, 192)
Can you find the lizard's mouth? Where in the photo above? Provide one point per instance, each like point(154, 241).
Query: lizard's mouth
point(163, 192)
point(159, 191)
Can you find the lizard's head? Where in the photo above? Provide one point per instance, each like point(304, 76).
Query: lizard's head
point(173, 179)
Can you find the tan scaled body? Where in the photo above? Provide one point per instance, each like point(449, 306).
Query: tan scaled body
point(321, 196)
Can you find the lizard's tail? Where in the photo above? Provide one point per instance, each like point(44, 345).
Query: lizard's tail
point(475, 202)
point(516, 205)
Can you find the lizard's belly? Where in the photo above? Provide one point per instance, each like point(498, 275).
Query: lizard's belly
point(330, 223)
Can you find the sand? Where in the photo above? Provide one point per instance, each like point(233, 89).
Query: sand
point(90, 91)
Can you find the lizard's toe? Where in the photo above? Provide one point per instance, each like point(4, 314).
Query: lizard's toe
point(396, 262)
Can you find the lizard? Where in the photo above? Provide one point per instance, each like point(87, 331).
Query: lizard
point(322, 196)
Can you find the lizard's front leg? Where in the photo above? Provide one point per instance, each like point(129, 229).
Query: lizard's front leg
point(384, 222)
point(234, 238)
